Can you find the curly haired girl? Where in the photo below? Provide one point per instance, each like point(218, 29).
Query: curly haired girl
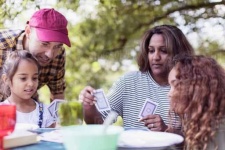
point(197, 95)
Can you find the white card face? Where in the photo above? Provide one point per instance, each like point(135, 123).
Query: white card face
point(102, 102)
point(51, 108)
point(57, 102)
point(54, 106)
point(148, 108)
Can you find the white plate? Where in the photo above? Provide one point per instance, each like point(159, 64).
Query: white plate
point(25, 126)
point(141, 138)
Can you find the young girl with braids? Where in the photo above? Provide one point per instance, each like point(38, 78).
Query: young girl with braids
point(19, 82)
point(197, 95)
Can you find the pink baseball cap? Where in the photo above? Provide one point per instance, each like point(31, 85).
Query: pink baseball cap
point(51, 26)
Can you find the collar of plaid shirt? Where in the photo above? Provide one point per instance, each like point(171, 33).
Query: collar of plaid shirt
point(19, 44)
point(11, 39)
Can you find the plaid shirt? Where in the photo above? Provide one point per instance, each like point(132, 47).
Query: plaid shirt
point(51, 75)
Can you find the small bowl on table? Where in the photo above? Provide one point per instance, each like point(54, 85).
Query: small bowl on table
point(91, 137)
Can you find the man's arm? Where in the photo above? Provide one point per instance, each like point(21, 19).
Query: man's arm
point(57, 83)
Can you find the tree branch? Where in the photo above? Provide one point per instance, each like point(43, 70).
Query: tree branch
point(186, 7)
point(157, 18)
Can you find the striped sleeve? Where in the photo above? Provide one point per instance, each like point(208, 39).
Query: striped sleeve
point(127, 97)
point(115, 97)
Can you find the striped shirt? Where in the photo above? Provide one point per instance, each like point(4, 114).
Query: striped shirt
point(128, 94)
point(51, 75)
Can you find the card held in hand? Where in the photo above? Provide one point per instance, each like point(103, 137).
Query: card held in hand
point(102, 103)
point(51, 108)
point(54, 106)
point(148, 108)
point(57, 102)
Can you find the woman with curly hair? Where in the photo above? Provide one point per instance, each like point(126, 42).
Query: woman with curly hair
point(197, 95)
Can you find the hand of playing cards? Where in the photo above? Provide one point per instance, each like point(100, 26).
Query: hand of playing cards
point(148, 108)
point(54, 106)
point(102, 102)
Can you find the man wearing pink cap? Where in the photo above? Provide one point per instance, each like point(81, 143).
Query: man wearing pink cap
point(44, 36)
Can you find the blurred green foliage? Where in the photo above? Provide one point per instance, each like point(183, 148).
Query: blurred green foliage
point(111, 33)
point(70, 113)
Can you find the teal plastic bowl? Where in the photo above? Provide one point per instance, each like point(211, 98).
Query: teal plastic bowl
point(91, 137)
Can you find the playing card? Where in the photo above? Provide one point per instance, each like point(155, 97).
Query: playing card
point(148, 108)
point(57, 102)
point(54, 106)
point(102, 102)
point(51, 108)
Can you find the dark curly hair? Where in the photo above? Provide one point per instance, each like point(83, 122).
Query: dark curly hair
point(198, 98)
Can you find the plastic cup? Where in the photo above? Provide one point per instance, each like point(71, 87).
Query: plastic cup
point(91, 137)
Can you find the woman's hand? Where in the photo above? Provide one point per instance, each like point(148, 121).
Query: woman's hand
point(86, 97)
point(154, 123)
point(91, 114)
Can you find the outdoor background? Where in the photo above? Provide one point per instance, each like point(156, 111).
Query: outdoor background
point(105, 34)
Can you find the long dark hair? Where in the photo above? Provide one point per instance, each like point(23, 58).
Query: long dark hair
point(175, 42)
